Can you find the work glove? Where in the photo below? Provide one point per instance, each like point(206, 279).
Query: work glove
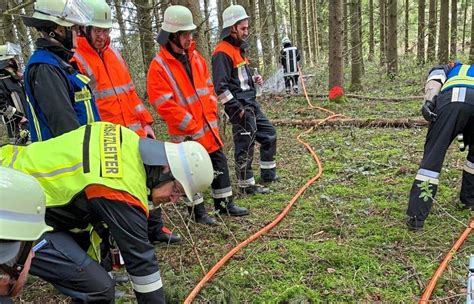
point(427, 111)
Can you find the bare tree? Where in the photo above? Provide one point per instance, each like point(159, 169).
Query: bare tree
point(315, 29)
point(443, 42)
point(306, 36)
point(420, 51)
point(471, 49)
point(454, 28)
point(356, 68)
point(299, 27)
point(265, 38)
point(407, 21)
point(6, 24)
point(145, 31)
point(382, 31)
point(371, 30)
point(392, 55)
point(431, 51)
point(336, 62)
point(466, 4)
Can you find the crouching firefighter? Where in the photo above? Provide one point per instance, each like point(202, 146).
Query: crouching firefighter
point(449, 107)
point(105, 174)
point(12, 95)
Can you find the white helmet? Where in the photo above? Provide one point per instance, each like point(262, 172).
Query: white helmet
point(189, 162)
point(231, 16)
point(23, 207)
point(285, 40)
point(61, 12)
point(177, 18)
point(101, 14)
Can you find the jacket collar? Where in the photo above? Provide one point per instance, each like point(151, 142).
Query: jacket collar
point(84, 45)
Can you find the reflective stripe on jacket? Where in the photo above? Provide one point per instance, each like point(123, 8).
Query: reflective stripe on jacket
point(461, 75)
point(188, 108)
point(96, 154)
point(239, 84)
point(112, 86)
point(80, 95)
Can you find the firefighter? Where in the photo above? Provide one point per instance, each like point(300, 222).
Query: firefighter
point(235, 89)
point(12, 95)
point(114, 91)
point(180, 89)
point(104, 173)
point(289, 58)
point(21, 224)
point(449, 107)
point(59, 99)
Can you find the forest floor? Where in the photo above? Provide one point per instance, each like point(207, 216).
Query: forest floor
point(345, 239)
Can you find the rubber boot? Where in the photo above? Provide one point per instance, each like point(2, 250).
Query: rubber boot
point(201, 216)
point(164, 235)
point(228, 207)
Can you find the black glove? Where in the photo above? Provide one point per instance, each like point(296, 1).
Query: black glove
point(427, 111)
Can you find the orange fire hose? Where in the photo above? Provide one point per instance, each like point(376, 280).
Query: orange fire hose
point(432, 284)
point(280, 216)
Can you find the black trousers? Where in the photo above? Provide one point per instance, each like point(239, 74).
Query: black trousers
point(291, 82)
point(254, 126)
point(221, 188)
point(453, 118)
point(66, 265)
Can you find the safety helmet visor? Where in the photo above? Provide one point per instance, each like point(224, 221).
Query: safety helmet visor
point(9, 51)
point(64, 13)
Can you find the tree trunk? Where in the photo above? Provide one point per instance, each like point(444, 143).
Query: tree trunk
point(6, 24)
point(466, 4)
point(392, 56)
point(276, 30)
point(430, 56)
point(265, 38)
point(356, 68)
point(471, 49)
point(306, 37)
point(454, 28)
point(315, 30)
point(382, 31)
point(121, 23)
point(420, 50)
point(253, 48)
point(346, 31)
point(443, 42)
point(291, 8)
point(407, 21)
point(145, 32)
point(371, 30)
point(335, 64)
point(299, 29)
point(361, 51)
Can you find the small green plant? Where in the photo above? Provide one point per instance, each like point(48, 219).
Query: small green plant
point(426, 191)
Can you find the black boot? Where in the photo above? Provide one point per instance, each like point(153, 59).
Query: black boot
point(201, 216)
point(227, 207)
point(414, 224)
point(254, 189)
point(164, 235)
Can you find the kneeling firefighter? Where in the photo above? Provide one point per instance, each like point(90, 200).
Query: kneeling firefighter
point(105, 174)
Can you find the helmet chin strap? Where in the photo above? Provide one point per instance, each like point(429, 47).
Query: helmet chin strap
point(66, 40)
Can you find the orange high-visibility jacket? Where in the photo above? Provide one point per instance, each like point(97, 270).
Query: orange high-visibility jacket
point(112, 86)
point(189, 110)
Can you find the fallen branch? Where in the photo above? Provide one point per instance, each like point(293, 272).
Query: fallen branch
point(354, 96)
point(360, 123)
